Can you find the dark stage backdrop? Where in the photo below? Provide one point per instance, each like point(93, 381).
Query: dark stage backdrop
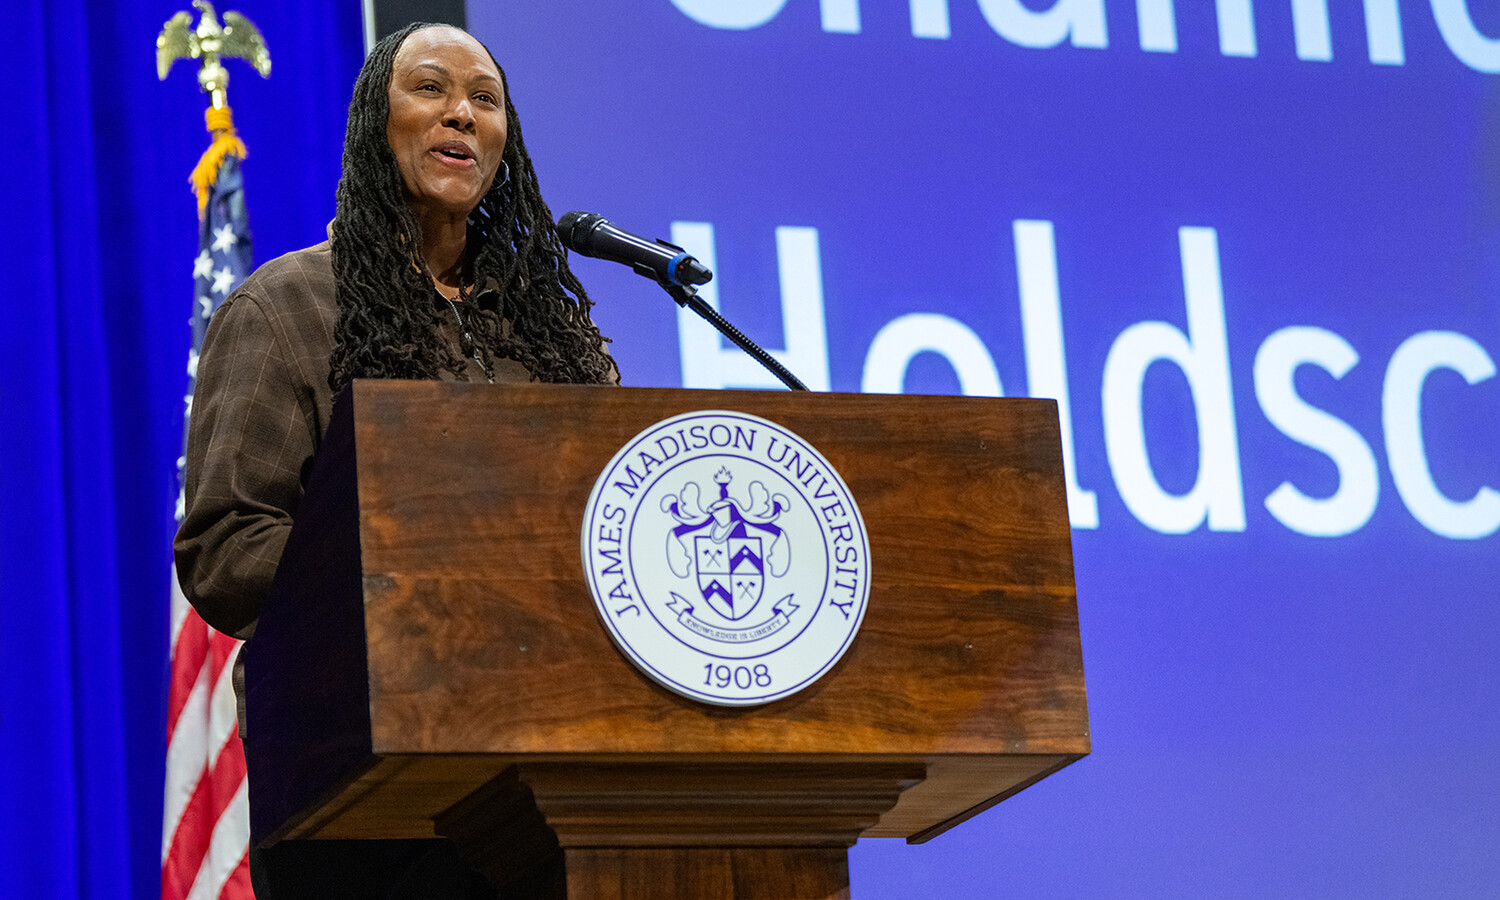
point(1255, 245)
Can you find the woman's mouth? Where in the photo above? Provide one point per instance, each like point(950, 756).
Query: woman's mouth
point(455, 151)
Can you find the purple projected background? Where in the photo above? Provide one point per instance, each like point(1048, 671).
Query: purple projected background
point(1268, 236)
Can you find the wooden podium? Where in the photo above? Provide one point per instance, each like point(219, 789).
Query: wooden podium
point(431, 661)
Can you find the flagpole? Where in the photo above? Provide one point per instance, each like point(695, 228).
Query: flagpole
point(205, 815)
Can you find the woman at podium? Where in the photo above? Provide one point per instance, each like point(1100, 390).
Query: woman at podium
point(442, 263)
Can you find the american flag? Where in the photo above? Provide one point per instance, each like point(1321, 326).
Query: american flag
point(206, 821)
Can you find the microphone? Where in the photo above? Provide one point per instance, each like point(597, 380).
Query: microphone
point(593, 235)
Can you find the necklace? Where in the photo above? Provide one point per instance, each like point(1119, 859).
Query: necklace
point(463, 329)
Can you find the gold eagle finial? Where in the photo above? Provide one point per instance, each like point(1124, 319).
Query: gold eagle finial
point(237, 37)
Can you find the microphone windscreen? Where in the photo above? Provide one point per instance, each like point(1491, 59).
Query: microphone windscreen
point(574, 227)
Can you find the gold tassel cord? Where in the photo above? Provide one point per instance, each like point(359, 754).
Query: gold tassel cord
point(225, 143)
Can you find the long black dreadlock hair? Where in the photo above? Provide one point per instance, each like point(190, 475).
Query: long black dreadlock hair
point(388, 325)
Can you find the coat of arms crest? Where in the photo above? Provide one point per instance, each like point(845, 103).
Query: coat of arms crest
point(730, 544)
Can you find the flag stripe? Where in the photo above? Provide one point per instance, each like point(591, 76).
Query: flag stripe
point(192, 645)
point(187, 751)
point(226, 849)
point(209, 813)
point(223, 717)
point(188, 846)
point(205, 811)
point(238, 884)
point(180, 607)
point(227, 777)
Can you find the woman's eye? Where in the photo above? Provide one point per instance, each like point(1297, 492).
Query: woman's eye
point(485, 98)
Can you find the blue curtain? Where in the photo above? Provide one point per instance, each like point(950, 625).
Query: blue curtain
point(96, 244)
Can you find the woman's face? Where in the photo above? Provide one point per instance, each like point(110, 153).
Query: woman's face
point(447, 122)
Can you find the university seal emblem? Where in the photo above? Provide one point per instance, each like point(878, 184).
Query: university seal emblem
point(726, 557)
